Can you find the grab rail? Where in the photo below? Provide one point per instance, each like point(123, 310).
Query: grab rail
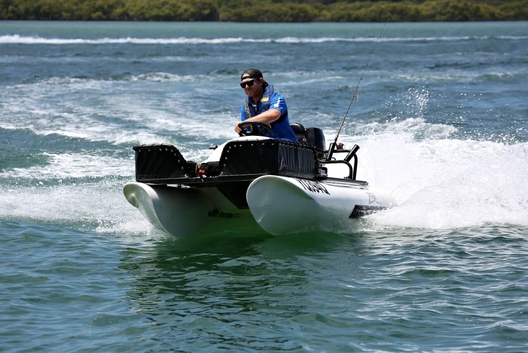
point(350, 154)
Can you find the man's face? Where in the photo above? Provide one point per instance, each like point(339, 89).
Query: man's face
point(252, 86)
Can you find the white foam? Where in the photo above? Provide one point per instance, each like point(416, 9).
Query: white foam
point(74, 166)
point(166, 77)
point(442, 182)
point(17, 39)
point(30, 40)
point(86, 205)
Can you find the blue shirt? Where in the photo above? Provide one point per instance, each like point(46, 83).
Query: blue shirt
point(271, 100)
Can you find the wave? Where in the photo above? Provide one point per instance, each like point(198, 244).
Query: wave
point(31, 40)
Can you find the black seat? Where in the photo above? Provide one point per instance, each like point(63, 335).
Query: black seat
point(311, 136)
point(300, 132)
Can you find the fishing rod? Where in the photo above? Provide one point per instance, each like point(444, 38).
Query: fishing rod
point(334, 144)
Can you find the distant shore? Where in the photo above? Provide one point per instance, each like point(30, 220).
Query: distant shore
point(265, 10)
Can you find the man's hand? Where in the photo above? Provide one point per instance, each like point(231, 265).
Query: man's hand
point(237, 129)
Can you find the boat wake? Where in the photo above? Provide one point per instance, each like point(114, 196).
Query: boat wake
point(442, 183)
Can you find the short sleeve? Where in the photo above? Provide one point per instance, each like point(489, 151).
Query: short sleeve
point(277, 102)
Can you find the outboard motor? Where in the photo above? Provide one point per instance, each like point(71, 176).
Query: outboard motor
point(316, 138)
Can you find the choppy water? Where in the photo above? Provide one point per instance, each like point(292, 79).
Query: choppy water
point(442, 124)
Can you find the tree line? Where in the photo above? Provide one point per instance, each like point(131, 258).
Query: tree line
point(265, 10)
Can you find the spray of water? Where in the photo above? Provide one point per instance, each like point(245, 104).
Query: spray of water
point(441, 181)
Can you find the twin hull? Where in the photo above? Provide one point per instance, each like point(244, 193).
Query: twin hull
point(274, 204)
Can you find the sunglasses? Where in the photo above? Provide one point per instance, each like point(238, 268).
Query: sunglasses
point(248, 83)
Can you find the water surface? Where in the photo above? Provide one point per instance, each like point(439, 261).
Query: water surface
point(441, 120)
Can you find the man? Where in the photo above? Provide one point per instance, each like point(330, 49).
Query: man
point(264, 105)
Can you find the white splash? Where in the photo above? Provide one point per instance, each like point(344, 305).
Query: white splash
point(441, 182)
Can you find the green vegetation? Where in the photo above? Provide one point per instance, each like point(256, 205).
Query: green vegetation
point(265, 10)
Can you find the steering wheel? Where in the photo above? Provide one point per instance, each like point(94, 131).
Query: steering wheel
point(251, 128)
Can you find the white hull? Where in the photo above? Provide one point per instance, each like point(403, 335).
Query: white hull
point(277, 205)
point(284, 205)
point(186, 212)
